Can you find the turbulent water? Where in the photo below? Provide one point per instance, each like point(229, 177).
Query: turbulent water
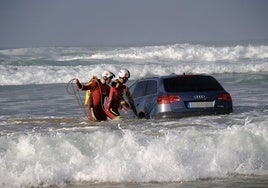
point(45, 139)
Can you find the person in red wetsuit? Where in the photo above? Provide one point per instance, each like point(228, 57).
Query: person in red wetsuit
point(99, 89)
point(116, 100)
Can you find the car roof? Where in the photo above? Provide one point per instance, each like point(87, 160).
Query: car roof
point(172, 76)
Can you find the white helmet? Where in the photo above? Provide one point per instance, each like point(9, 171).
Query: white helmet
point(107, 74)
point(124, 73)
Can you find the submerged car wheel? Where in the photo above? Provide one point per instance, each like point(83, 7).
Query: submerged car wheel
point(141, 115)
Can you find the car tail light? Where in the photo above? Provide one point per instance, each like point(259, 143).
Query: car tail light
point(225, 97)
point(168, 99)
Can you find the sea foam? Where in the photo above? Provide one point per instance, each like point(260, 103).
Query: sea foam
point(133, 154)
point(59, 65)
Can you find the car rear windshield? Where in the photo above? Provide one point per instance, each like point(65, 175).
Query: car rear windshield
point(191, 83)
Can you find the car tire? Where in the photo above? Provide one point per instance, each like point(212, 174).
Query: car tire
point(141, 115)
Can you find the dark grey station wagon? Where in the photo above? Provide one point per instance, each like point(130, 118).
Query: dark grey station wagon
point(176, 96)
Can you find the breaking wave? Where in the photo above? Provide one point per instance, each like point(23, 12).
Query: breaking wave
point(59, 65)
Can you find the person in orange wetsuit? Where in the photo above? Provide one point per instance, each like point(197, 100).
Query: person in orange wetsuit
point(116, 100)
point(99, 89)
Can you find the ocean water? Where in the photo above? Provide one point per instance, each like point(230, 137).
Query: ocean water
point(46, 140)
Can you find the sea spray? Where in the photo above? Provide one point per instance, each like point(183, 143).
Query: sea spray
point(110, 155)
point(59, 65)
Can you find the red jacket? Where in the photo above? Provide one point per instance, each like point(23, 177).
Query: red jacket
point(116, 100)
point(98, 92)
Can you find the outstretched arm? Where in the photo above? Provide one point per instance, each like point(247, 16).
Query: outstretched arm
point(91, 85)
point(131, 101)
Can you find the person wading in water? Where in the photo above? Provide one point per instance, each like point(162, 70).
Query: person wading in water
point(97, 90)
point(116, 100)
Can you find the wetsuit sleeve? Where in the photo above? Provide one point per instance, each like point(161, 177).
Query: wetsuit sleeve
point(108, 109)
point(91, 85)
point(131, 101)
point(79, 85)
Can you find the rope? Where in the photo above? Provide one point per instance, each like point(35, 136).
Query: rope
point(73, 90)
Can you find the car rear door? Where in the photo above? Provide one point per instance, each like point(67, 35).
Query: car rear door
point(144, 96)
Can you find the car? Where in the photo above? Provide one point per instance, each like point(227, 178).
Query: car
point(176, 96)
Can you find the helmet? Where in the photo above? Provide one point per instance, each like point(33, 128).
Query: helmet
point(107, 74)
point(124, 73)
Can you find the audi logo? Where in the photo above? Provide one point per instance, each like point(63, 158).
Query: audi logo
point(198, 97)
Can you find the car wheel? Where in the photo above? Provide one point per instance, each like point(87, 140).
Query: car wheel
point(141, 115)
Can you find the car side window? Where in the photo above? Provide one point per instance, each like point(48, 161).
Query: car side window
point(139, 89)
point(132, 87)
point(151, 87)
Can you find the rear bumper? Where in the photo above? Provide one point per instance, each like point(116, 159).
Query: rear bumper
point(175, 115)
